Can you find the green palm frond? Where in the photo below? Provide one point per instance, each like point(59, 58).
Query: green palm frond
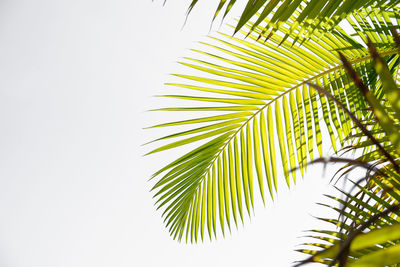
point(314, 15)
point(257, 91)
point(359, 209)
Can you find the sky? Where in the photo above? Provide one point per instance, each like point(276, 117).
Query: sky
point(76, 81)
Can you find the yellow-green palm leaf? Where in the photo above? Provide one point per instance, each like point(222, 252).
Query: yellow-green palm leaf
point(264, 112)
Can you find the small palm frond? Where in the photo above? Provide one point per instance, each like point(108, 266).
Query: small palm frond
point(364, 218)
point(314, 15)
point(259, 91)
point(368, 209)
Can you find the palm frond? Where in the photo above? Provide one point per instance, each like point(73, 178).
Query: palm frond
point(259, 91)
point(368, 207)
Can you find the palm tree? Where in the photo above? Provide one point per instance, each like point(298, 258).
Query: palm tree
point(264, 92)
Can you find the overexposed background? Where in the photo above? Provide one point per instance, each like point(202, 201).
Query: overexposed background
point(76, 78)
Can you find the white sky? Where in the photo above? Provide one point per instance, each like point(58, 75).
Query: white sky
point(75, 79)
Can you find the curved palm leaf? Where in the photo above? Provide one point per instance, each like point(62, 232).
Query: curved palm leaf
point(262, 92)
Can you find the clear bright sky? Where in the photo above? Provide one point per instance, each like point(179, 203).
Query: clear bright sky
point(76, 78)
